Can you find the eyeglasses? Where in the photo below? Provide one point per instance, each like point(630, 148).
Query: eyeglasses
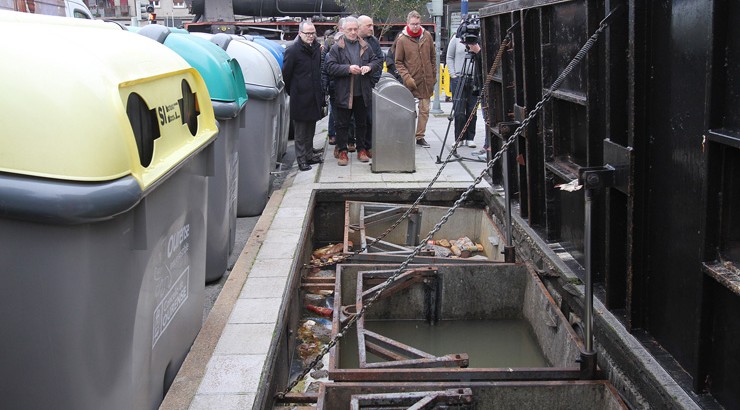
point(414, 24)
point(313, 33)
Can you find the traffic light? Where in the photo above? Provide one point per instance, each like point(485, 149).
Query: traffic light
point(150, 8)
point(152, 18)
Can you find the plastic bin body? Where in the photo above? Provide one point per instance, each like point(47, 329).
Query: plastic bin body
point(276, 51)
point(225, 83)
point(393, 128)
point(258, 133)
point(103, 257)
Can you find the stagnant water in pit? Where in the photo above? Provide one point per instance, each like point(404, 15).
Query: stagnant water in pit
point(488, 343)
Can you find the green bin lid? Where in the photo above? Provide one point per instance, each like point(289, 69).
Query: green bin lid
point(78, 95)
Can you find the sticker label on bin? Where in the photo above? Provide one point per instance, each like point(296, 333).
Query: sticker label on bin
point(170, 304)
point(172, 281)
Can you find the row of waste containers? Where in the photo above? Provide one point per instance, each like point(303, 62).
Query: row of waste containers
point(125, 158)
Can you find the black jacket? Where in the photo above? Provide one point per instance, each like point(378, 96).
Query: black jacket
point(375, 47)
point(337, 66)
point(302, 77)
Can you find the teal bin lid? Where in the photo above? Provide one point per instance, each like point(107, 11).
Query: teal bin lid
point(222, 74)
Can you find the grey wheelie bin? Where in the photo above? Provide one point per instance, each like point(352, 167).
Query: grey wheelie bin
point(258, 138)
point(103, 193)
point(225, 83)
point(274, 50)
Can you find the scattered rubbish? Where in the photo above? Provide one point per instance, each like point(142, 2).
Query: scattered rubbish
point(570, 186)
point(323, 311)
point(461, 248)
point(328, 254)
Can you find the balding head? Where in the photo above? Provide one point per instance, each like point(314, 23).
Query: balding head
point(365, 28)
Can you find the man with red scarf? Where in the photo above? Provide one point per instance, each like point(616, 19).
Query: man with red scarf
point(415, 61)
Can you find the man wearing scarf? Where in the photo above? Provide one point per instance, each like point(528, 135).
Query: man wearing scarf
point(415, 61)
point(302, 77)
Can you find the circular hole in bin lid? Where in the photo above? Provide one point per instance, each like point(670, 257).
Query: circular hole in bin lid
point(189, 109)
point(144, 125)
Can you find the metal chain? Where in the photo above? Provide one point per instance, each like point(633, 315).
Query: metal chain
point(344, 258)
point(555, 85)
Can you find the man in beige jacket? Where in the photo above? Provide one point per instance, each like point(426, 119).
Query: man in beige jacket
point(415, 61)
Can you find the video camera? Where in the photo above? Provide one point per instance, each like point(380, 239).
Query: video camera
point(469, 30)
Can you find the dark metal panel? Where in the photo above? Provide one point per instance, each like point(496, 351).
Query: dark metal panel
point(532, 95)
point(723, 355)
point(679, 57)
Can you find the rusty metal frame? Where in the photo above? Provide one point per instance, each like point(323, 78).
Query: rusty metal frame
point(399, 355)
point(413, 400)
point(371, 213)
point(393, 374)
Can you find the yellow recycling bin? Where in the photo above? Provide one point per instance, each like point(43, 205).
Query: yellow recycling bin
point(105, 150)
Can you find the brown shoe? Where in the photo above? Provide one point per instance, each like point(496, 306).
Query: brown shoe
point(362, 156)
point(343, 159)
point(422, 142)
point(336, 152)
point(351, 147)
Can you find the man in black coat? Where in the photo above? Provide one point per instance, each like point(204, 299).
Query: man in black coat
point(302, 77)
point(350, 63)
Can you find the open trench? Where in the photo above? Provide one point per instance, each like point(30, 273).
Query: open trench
point(459, 328)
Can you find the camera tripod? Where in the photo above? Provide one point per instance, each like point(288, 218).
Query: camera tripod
point(466, 78)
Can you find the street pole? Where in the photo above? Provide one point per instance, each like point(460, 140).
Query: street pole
point(437, 13)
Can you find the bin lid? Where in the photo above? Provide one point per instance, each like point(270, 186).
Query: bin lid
point(276, 50)
point(222, 73)
point(397, 94)
point(116, 105)
point(262, 75)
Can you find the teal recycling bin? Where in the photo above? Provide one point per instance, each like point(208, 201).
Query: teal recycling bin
point(225, 83)
point(106, 142)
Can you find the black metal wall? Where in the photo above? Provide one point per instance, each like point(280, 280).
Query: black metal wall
point(659, 99)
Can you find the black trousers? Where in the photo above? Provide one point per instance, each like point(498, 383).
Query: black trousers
point(303, 132)
point(343, 122)
point(463, 108)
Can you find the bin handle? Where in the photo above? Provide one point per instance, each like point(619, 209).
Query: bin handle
point(395, 103)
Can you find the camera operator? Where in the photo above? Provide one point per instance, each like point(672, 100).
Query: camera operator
point(463, 62)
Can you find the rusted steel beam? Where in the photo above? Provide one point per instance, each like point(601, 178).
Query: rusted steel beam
point(447, 361)
point(413, 400)
point(457, 374)
point(397, 348)
point(317, 286)
point(318, 279)
point(403, 281)
point(298, 398)
point(402, 355)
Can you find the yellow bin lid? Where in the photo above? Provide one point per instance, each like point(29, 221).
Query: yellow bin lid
point(87, 101)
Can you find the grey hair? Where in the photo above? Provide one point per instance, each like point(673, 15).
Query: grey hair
point(413, 14)
point(350, 19)
point(303, 23)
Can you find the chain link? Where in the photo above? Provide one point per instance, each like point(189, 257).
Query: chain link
point(555, 85)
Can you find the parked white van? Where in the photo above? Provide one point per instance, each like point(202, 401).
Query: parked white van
point(63, 8)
